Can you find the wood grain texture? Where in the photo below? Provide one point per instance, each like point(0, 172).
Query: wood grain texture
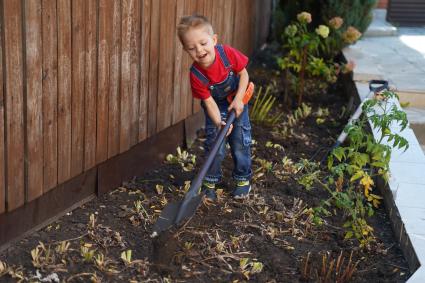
point(78, 78)
point(50, 93)
point(64, 89)
point(166, 64)
point(34, 93)
point(2, 129)
point(114, 83)
point(227, 32)
point(144, 68)
point(12, 16)
point(90, 84)
point(135, 71)
point(126, 6)
point(178, 97)
point(103, 71)
point(153, 67)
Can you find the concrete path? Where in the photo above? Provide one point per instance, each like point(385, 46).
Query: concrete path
point(398, 55)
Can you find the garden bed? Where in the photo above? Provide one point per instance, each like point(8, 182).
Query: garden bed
point(269, 237)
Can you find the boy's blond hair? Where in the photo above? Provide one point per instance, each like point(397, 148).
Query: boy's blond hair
point(193, 21)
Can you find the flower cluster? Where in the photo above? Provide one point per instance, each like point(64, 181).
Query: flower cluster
point(304, 17)
point(291, 30)
point(351, 35)
point(336, 22)
point(323, 31)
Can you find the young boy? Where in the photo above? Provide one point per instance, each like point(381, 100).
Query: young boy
point(217, 72)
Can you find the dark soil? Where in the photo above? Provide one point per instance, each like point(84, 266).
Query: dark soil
point(226, 241)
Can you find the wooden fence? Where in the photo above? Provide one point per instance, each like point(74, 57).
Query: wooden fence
point(85, 80)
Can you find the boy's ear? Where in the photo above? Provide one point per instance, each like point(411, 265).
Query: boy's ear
point(215, 39)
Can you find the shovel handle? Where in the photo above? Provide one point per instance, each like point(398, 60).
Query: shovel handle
point(197, 182)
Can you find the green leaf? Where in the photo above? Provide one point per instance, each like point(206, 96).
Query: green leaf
point(356, 176)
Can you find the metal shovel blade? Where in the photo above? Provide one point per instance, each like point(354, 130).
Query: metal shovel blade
point(168, 216)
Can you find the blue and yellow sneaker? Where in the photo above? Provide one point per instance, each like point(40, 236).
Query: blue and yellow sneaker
point(242, 190)
point(209, 190)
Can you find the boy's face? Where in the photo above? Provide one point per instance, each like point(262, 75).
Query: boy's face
point(200, 46)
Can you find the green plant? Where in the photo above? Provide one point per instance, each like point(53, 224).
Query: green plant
point(86, 252)
point(356, 13)
point(263, 103)
point(126, 257)
point(303, 60)
point(186, 160)
point(249, 267)
point(352, 168)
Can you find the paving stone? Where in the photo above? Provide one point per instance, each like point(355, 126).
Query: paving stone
point(413, 219)
point(418, 276)
point(410, 195)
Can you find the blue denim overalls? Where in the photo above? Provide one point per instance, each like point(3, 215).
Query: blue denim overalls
point(240, 137)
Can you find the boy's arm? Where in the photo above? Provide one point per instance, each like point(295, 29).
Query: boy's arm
point(237, 103)
point(213, 111)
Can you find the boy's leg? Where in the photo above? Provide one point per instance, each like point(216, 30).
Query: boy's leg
point(214, 173)
point(240, 143)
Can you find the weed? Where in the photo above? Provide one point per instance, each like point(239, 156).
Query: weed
point(63, 247)
point(249, 267)
point(42, 256)
point(126, 257)
point(186, 160)
point(86, 252)
point(330, 269)
point(4, 269)
point(260, 111)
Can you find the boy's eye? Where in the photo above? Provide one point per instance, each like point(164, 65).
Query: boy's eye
point(203, 43)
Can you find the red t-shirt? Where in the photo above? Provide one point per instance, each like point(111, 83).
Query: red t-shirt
point(216, 73)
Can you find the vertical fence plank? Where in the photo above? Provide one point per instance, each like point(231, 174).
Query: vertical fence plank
point(134, 71)
point(178, 97)
point(153, 67)
point(34, 116)
point(78, 63)
point(189, 9)
point(166, 66)
point(2, 128)
point(50, 87)
point(64, 90)
point(144, 71)
point(204, 7)
point(243, 26)
point(90, 85)
point(228, 22)
point(104, 53)
point(12, 17)
point(125, 75)
point(114, 83)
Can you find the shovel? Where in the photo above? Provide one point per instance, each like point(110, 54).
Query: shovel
point(174, 213)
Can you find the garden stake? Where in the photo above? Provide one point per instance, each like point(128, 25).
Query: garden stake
point(375, 86)
point(174, 213)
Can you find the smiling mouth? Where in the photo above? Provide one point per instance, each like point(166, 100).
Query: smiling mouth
point(202, 56)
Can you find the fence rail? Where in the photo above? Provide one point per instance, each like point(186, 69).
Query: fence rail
point(85, 80)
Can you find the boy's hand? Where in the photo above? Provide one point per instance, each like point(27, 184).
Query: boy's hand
point(238, 105)
point(223, 123)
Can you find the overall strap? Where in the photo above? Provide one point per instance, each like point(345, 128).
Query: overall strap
point(223, 56)
point(199, 75)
